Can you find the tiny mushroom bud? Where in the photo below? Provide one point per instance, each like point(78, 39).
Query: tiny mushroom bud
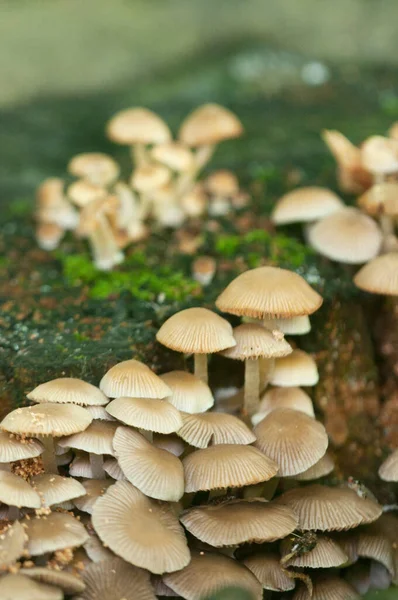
point(204, 269)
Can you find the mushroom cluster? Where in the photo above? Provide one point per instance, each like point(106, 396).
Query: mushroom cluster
point(161, 191)
point(145, 487)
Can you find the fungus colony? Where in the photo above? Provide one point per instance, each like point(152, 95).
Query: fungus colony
point(146, 487)
point(162, 189)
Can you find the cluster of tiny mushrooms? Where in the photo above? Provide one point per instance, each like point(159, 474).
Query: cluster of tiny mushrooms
point(162, 190)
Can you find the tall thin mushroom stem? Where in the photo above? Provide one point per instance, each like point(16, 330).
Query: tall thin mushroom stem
point(14, 513)
point(266, 366)
point(97, 466)
point(139, 155)
point(48, 456)
point(200, 367)
point(252, 386)
point(385, 221)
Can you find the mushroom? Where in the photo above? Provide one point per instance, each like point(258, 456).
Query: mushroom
point(69, 584)
point(341, 590)
point(188, 393)
point(157, 473)
point(281, 397)
point(380, 275)
point(95, 549)
point(94, 489)
point(13, 448)
point(326, 554)
point(146, 533)
point(196, 331)
point(239, 521)
point(47, 421)
point(292, 439)
point(16, 586)
point(68, 390)
point(194, 201)
point(388, 470)
point(211, 572)
point(297, 368)
point(49, 235)
point(252, 343)
point(53, 208)
point(95, 167)
point(352, 176)
point(54, 489)
point(12, 545)
point(226, 465)
point(129, 217)
point(138, 128)
point(114, 578)
point(267, 569)
point(221, 186)
point(16, 493)
point(174, 155)
point(112, 468)
point(203, 269)
point(149, 180)
point(146, 414)
point(53, 532)
point(83, 192)
point(133, 379)
point(305, 205)
point(323, 467)
point(81, 466)
point(205, 429)
point(294, 326)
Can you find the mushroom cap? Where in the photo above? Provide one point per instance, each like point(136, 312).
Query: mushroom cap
point(208, 573)
point(143, 531)
point(286, 397)
point(292, 439)
point(239, 521)
point(12, 545)
point(96, 167)
point(70, 584)
point(209, 124)
point(342, 148)
point(49, 235)
point(326, 554)
point(149, 414)
point(196, 330)
point(226, 465)
point(147, 178)
point(298, 368)
point(94, 489)
point(68, 390)
point(211, 428)
point(328, 587)
point(82, 193)
point(137, 126)
point(81, 466)
point(380, 198)
point(133, 379)
point(54, 489)
point(388, 470)
point(13, 587)
point(380, 154)
point(155, 472)
point(95, 549)
point(294, 326)
point(50, 191)
point(323, 467)
point(12, 448)
point(380, 275)
point(99, 413)
point(305, 205)
point(15, 491)
point(254, 341)
point(330, 508)
point(174, 155)
point(373, 543)
point(56, 531)
point(346, 236)
point(188, 393)
point(114, 579)
point(267, 569)
point(269, 291)
point(47, 419)
point(96, 439)
point(172, 443)
point(112, 468)
point(222, 183)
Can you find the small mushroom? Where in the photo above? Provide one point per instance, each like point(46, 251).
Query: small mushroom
point(352, 176)
point(146, 414)
point(69, 584)
point(16, 586)
point(68, 390)
point(294, 326)
point(133, 379)
point(94, 489)
point(327, 586)
point(221, 186)
point(305, 205)
point(297, 368)
point(53, 532)
point(12, 545)
point(388, 470)
point(267, 569)
point(53, 207)
point(326, 554)
point(204, 269)
point(323, 467)
point(188, 393)
point(211, 428)
point(380, 275)
point(95, 167)
point(54, 489)
point(283, 397)
point(49, 235)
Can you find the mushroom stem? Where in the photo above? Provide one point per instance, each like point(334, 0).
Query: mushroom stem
point(13, 513)
point(252, 386)
point(266, 366)
point(200, 367)
point(139, 155)
point(48, 456)
point(97, 466)
point(105, 250)
point(186, 180)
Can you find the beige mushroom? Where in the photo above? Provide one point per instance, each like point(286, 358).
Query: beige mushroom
point(68, 390)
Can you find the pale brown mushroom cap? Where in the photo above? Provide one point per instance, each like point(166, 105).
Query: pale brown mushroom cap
point(294, 326)
point(20, 587)
point(114, 579)
point(380, 154)
point(254, 341)
point(172, 443)
point(137, 126)
point(150, 414)
point(326, 554)
point(298, 368)
point(174, 155)
point(143, 531)
point(49, 235)
point(380, 198)
point(82, 193)
point(328, 587)
point(209, 124)
point(112, 468)
point(286, 397)
point(147, 178)
point(292, 439)
point(346, 236)
point(12, 448)
point(380, 275)
point(12, 545)
point(68, 390)
point(323, 467)
point(226, 465)
point(222, 183)
point(267, 569)
point(94, 489)
point(95, 549)
point(54, 489)
point(239, 521)
point(70, 584)
point(342, 149)
point(96, 167)
point(330, 508)
point(47, 419)
point(96, 439)
point(388, 470)
point(373, 543)
point(269, 291)
point(207, 573)
point(133, 379)
point(188, 393)
point(15, 491)
point(211, 428)
point(305, 205)
point(196, 330)
point(154, 471)
point(56, 531)
point(99, 413)
point(81, 466)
